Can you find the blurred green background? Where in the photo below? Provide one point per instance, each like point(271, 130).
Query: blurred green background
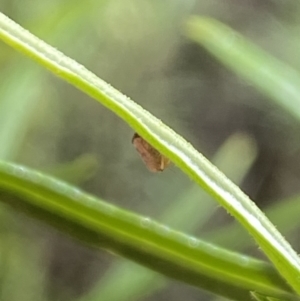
point(140, 47)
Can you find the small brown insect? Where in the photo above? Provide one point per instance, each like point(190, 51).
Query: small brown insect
point(153, 159)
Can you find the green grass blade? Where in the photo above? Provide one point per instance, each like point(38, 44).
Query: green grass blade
point(138, 238)
point(183, 154)
point(143, 282)
point(275, 79)
point(285, 215)
point(184, 213)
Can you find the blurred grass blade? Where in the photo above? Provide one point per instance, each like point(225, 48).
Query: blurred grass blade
point(275, 79)
point(17, 104)
point(21, 276)
point(21, 92)
point(154, 245)
point(170, 144)
point(258, 297)
point(75, 172)
point(185, 213)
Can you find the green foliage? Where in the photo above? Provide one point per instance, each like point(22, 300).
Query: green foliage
point(137, 237)
point(277, 80)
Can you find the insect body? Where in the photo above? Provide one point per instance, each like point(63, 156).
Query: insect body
point(153, 159)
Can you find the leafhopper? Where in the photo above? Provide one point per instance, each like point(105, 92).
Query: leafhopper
point(153, 159)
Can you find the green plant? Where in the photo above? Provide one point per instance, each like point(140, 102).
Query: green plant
point(172, 253)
